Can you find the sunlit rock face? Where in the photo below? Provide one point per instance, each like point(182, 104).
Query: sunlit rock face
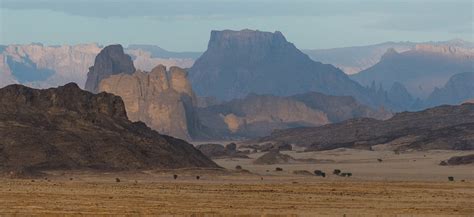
point(162, 99)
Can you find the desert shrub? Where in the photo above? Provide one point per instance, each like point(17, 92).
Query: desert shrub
point(175, 176)
point(198, 177)
point(117, 180)
point(238, 167)
point(379, 160)
point(443, 163)
point(349, 174)
point(278, 169)
point(451, 178)
point(336, 171)
point(318, 173)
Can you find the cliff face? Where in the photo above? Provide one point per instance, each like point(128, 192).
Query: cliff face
point(259, 115)
point(110, 61)
point(164, 100)
point(68, 128)
point(443, 127)
point(237, 63)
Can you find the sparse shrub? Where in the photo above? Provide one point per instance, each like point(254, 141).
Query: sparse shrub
point(443, 163)
point(336, 172)
point(238, 167)
point(175, 176)
point(117, 180)
point(71, 179)
point(451, 178)
point(379, 160)
point(319, 173)
point(197, 177)
point(349, 174)
point(278, 169)
point(323, 175)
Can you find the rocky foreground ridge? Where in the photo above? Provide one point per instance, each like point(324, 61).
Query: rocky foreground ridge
point(442, 127)
point(68, 128)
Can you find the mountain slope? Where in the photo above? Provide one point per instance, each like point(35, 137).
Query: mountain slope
point(68, 128)
point(237, 63)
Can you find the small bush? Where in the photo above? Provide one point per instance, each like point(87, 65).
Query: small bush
point(443, 163)
point(198, 177)
point(336, 172)
point(318, 173)
point(175, 176)
point(117, 180)
point(451, 178)
point(379, 160)
point(238, 167)
point(278, 169)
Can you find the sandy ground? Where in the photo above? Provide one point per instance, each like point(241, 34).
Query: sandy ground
point(397, 186)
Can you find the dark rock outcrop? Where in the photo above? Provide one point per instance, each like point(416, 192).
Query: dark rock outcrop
point(237, 63)
point(459, 160)
point(219, 151)
point(68, 128)
point(110, 61)
point(443, 127)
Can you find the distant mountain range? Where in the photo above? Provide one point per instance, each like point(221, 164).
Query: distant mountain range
point(41, 66)
point(420, 70)
point(358, 58)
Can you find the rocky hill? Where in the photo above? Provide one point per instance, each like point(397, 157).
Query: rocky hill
point(162, 99)
point(443, 127)
point(258, 115)
point(68, 128)
point(237, 63)
point(420, 70)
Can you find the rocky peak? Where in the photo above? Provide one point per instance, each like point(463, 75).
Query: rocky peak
point(110, 61)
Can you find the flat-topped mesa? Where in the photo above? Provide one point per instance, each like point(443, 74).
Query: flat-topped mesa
point(21, 99)
point(162, 99)
point(110, 61)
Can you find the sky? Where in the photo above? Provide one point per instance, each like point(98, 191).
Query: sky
point(185, 25)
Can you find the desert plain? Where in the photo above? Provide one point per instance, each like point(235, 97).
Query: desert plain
point(405, 184)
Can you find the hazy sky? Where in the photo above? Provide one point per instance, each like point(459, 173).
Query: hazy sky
point(185, 25)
